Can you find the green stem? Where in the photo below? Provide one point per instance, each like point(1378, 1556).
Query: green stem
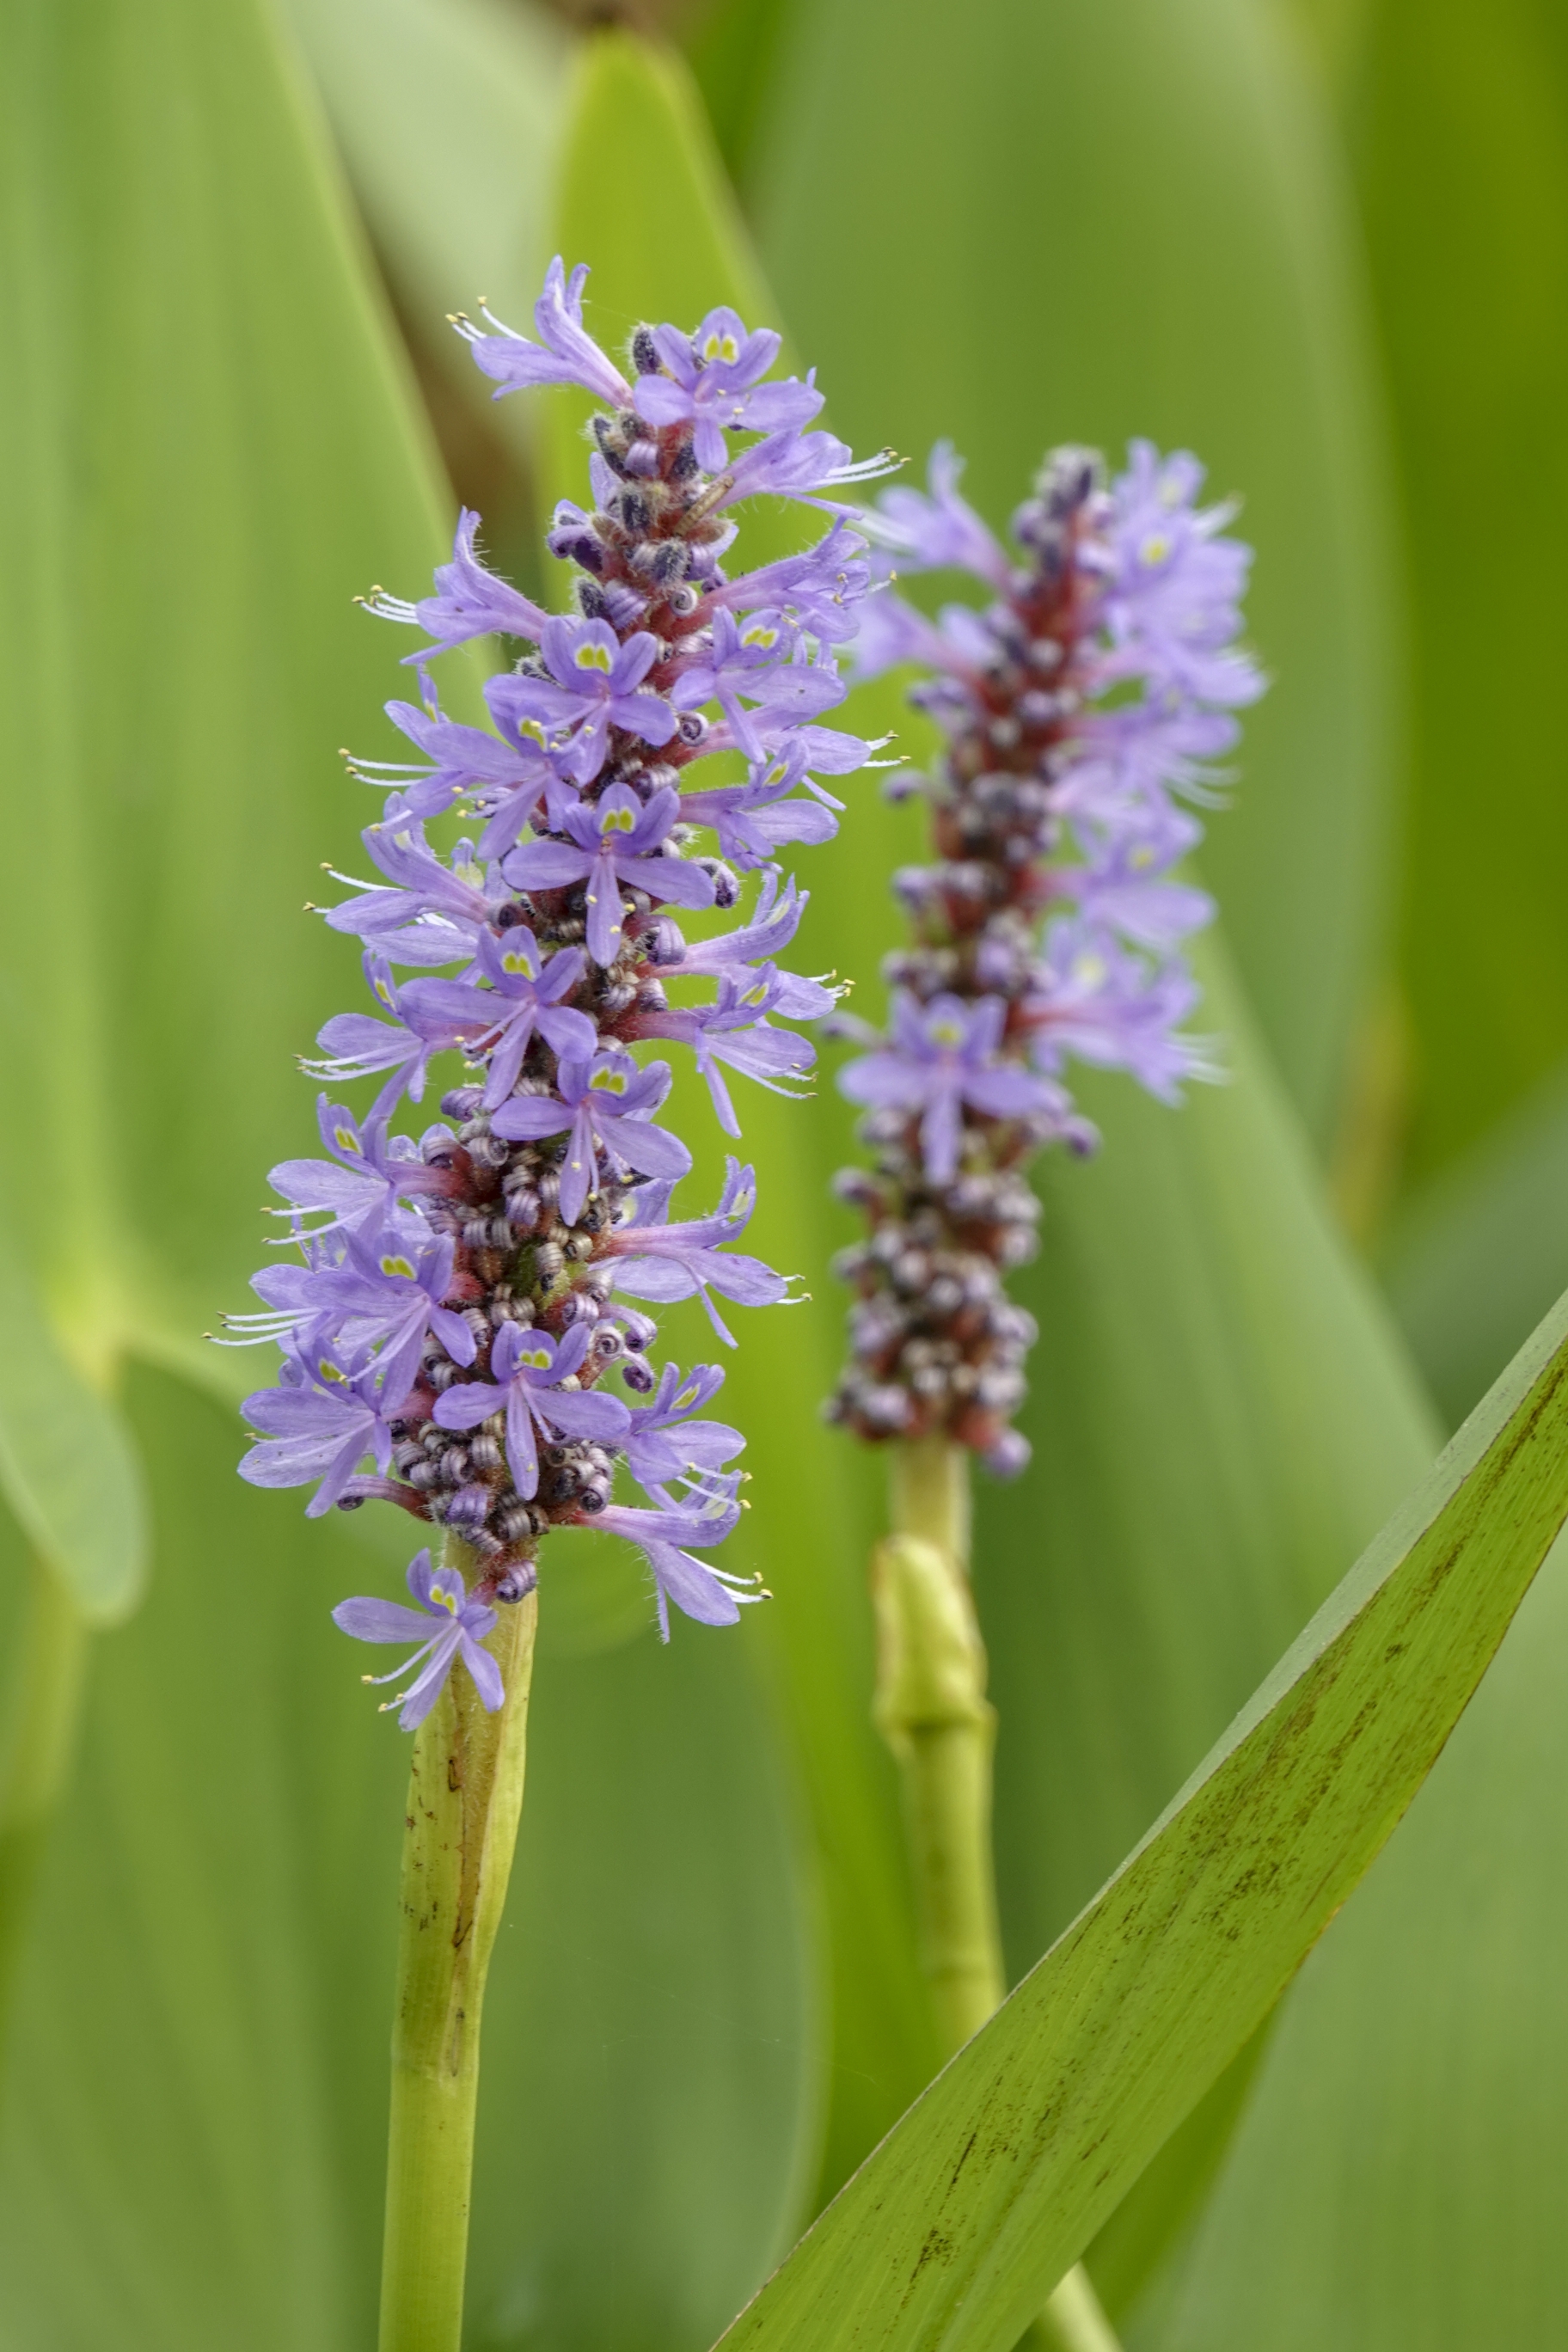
point(36, 1752)
point(465, 1796)
point(932, 1708)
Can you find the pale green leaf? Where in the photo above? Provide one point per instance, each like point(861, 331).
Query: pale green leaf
point(67, 1468)
point(1475, 1255)
point(954, 2231)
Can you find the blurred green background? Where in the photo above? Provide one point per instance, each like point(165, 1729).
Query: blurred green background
point(1324, 245)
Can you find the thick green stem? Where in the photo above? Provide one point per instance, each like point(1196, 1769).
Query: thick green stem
point(465, 1796)
point(932, 1708)
point(36, 1757)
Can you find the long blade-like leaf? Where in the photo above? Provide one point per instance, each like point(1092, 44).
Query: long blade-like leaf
point(68, 1467)
point(951, 2234)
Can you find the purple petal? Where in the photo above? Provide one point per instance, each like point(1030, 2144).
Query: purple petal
point(381, 1621)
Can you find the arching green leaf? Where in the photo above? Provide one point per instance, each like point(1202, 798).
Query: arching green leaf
point(954, 2231)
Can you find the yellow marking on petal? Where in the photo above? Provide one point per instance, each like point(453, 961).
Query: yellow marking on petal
point(1089, 969)
point(755, 995)
point(397, 1265)
point(1155, 548)
point(759, 634)
point(947, 1032)
point(1142, 856)
point(385, 993)
point(345, 1140)
point(525, 727)
point(516, 960)
point(608, 1082)
point(536, 1356)
point(330, 1371)
point(720, 347)
point(593, 656)
point(688, 1397)
point(618, 820)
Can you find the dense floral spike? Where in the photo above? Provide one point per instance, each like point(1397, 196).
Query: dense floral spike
point(1081, 710)
point(456, 1310)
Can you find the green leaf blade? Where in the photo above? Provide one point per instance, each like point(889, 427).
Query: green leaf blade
point(951, 2235)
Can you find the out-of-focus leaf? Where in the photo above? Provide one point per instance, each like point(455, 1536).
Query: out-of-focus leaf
point(1396, 2180)
point(1050, 223)
point(448, 112)
point(67, 1468)
point(1459, 124)
point(219, 454)
point(220, 451)
point(956, 2228)
point(1475, 1255)
point(1221, 1418)
point(643, 200)
point(194, 2138)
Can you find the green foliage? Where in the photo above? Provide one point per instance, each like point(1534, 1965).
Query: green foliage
point(1459, 120)
point(955, 2230)
point(67, 1469)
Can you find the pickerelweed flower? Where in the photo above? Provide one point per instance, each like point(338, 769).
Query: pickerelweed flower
point(456, 1316)
point(1081, 709)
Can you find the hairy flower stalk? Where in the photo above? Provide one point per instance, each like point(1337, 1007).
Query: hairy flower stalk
point(463, 1326)
point(1081, 710)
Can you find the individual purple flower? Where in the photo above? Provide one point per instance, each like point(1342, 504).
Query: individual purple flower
point(319, 1424)
point(359, 1046)
point(699, 1589)
point(523, 1000)
point(743, 665)
point(564, 353)
point(665, 1441)
point(613, 841)
point(605, 1105)
point(940, 531)
point(820, 589)
point(527, 1369)
point(432, 913)
point(792, 465)
point(392, 1288)
point(596, 682)
point(1096, 1000)
point(470, 601)
point(712, 381)
point(662, 1262)
point(735, 1029)
point(944, 1059)
point(355, 1187)
point(441, 1595)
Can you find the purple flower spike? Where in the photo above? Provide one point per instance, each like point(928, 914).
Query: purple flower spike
point(441, 1595)
point(1081, 707)
point(461, 1310)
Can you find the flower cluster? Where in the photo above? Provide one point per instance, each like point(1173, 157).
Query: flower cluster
point(464, 1312)
point(1082, 708)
